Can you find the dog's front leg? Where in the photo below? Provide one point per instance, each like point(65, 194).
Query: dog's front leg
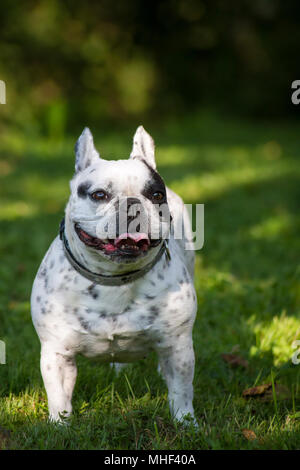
point(59, 374)
point(177, 367)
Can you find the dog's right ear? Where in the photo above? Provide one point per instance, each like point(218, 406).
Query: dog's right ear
point(85, 151)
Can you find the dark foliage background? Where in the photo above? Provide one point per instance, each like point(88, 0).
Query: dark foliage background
point(71, 61)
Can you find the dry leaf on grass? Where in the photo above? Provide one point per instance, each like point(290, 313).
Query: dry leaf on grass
point(265, 392)
point(234, 360)
point(249, 434)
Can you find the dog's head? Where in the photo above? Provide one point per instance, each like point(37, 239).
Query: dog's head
point(118, 210)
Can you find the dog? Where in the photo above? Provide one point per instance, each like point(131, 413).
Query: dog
point(117, 296)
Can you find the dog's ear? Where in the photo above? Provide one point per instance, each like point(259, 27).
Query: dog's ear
point(85, 151)
point(143, 147)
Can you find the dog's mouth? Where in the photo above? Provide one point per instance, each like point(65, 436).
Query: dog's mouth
point(126, 244)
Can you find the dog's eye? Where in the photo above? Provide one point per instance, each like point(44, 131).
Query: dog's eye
point(158, 196)
point(99, 195)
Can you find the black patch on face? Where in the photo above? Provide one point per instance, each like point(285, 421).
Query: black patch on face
point(83, 188)
point(154, 184)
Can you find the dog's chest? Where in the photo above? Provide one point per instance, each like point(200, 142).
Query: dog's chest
point(113, 323)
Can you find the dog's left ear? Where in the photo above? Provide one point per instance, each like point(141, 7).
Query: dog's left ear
point(143, 147)
point(85, 151)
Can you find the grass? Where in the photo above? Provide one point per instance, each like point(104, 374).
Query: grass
point(247, 280)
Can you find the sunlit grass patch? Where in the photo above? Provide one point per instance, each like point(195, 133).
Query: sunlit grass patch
point(273, 226)
point(13, 210)
point(214, 184)
point(276, 336)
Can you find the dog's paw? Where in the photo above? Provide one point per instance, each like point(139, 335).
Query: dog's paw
point(61, 418)
point(186, 420)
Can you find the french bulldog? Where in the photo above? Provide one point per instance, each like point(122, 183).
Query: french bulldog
point(116, 283)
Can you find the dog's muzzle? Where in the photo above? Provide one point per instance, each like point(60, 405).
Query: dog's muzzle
point(132, 244)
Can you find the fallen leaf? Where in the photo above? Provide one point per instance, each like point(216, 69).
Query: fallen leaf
point(249, 434)
point(234, 360)
point(256, 391)
point(265, 392)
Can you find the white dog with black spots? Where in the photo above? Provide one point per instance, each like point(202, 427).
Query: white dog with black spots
point(117, 296)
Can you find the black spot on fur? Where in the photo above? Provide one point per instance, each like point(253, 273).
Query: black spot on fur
point(92, 291)
point(154, 310)
point(83, 188)
point(84, 323)
point(149, 297)
point(43, 272)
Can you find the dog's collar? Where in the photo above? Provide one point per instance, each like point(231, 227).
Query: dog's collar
point(114, 279)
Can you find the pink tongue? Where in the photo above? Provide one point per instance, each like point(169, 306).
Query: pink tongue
point(136, 237)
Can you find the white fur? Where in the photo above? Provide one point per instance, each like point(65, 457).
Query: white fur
point(116, 324)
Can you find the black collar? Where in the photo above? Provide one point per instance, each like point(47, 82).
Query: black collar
point(113, 279)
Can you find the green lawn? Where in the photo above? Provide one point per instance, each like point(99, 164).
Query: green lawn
point(247, 280)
